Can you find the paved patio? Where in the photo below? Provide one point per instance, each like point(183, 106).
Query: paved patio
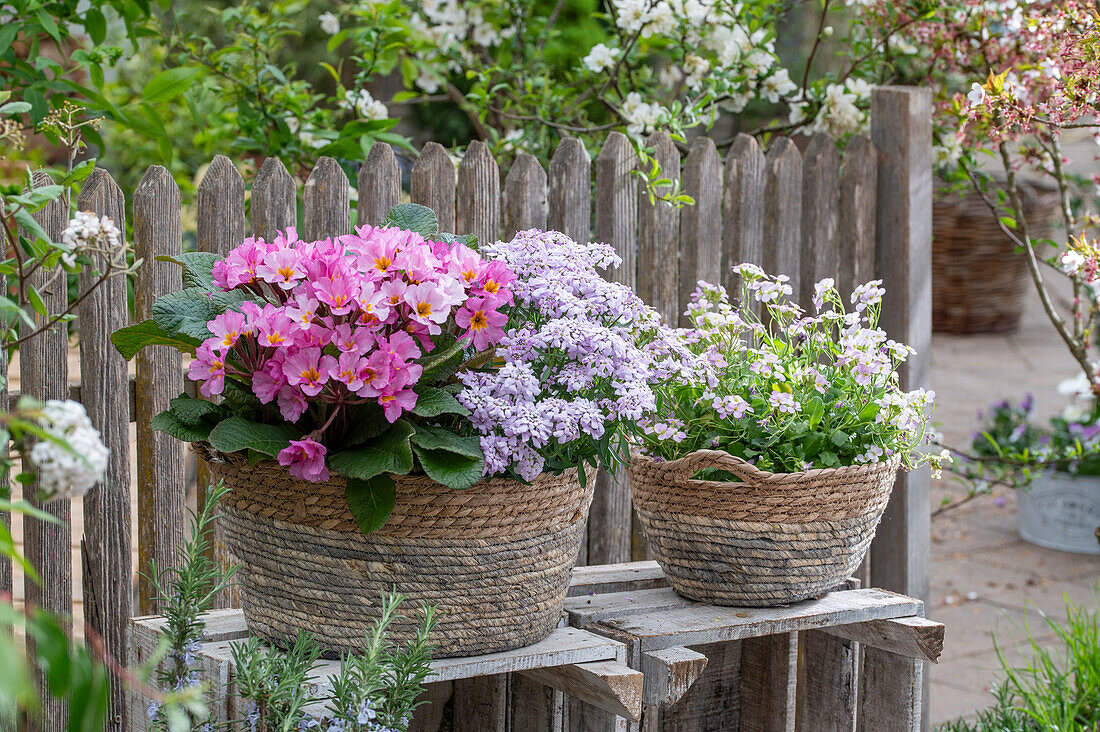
point(986, 581)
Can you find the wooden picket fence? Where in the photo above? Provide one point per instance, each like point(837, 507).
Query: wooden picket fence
point(808, 213)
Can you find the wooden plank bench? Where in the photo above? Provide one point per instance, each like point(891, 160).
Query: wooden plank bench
point(630, 650)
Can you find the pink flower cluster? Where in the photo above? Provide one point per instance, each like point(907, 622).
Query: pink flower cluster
point(336, 323)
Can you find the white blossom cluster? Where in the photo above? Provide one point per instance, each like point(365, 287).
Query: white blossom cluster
point(364, 104)
point(85, 232)
point(73, 468)
point(842, 111)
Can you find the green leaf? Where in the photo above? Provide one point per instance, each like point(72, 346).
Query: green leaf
point(389, 453)
point(15, 108)
point(131, 339)
point(39, 107)
point(237, 433)
point(191, 411)
point(197, 268)
point(371, 501)
point(189, 310)
point(48, 24)
point(437, 438)
point(414, 217)
point(170, 424)
point(37, 302)
point(840, 438)
point(7, 35)
point(96, 25)
point(170, 83)
point(431, 402)
point(370, 423)
point(455, 471)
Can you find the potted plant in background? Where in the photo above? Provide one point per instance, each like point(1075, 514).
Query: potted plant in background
point(1055, 466)
point(400, 410)
point(765, 478)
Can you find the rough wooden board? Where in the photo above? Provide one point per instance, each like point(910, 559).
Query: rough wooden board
point(593, 608)
point(326, 202)
point(570, 190)
point(701, 223)
point(535, 707)
point(915, 636)
point(220, 625)
point(694, 624)
point(562, 646)
point(826, 691)
point(608, 685)
point(658, 235)
point(623, 577)
point(857, 214)
point(767, 683)
point(713, 703)
point(525, 198)
point(438, 709)
point(742, 207)
point(477, 195)
point(583, 717)
point(432, 184)
point(378, 185)
point(669, 673)
point(161, 484)
point(274, 200)
point(44, 373)
point(820, 208)
point(106, 547)
point(890, 692)
point(783, 212)
point(481, 704)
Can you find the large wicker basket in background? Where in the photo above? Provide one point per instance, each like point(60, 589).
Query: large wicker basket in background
point(495, 559)
point(773, 538)
point(978, 277)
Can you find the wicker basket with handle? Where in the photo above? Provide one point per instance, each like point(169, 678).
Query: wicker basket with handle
point(495, 559)
point(772, 538)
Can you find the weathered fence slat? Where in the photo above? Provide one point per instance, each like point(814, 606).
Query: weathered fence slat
point(570, 195)
point(857, 215)
point(890, 692)
point(609, 526)
point(658, 270)
point(826, 683)
point(378, 185)
point(108, 603)
point(326, 202)
point(701, 224)
point(901, 130)
point(161, 483)
point(767, 682)
point(524, 196)
point(783, 212)
point(274, 200)
point(219, 204)
point(742, 208)
point(477, 198)
point(481, 704)
point(820, 208)
point(432, 184)
point(712, 702)
point(44, 374)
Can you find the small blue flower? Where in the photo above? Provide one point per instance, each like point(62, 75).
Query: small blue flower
point(366, 713)
point(152, 710)
point(307, 723)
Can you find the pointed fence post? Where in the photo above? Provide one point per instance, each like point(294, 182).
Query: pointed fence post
point(570, 194)
point(378, 184)
point(701, 223)
point(326, 202)
point(274, 200)
point(432, 184)
point(477, 197)
point(742, 209)
point(524, 196)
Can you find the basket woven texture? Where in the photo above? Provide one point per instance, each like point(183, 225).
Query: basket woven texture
point(772, 539)
point(978, 277)
point(495, 559)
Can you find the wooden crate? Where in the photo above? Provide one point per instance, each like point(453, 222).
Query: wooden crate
point(630, 651)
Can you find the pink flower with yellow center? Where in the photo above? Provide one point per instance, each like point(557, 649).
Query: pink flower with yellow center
point(305, 459)
point(209, 368)
point(308, 369)
point(282, 268)
point(428, 306)
point(483, 322)
point(394, 403)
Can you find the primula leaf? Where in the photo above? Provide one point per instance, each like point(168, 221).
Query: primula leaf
point(371, 501)
point(197, 268)
point(389, 453)
point(191, 411)
point(236, 433)
point(455, 471)
point(369, 424)
point(190, 309)
point(170, 424)
point(469, 240)
point(437, 438)
point(431, 402)
point(414, 217)
point(128, 341)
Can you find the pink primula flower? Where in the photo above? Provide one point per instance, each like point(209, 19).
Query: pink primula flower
point(484, 323)
point(305, 459)
point(273, 328)
point(339, 294)
point(283, 268)
point(394, 403)
point(228, 327)
point(496, 280)
point(374, 374)
point(465, 264)
point(302, 310)
point(429, 305)
point(292, 403)
point(209, 368)
point(308, 369)
point(350, 339)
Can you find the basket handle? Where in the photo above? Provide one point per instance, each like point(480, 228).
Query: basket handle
point(687, 466)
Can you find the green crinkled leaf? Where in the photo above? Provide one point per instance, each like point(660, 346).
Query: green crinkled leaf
point(197, 268)
point(414, 217)
point(191, 411)
point(239, 396)
point(437, 438)
point(443, 361)
point(371, 501)
point(455, 471)
point(190, 309)
point(171, 424)
point(236, 434)
point(469, 240)
point(128, 341)
point(389, 453)
point(369, 424)
point(431, 402)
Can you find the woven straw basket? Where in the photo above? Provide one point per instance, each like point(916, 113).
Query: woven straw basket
point(774, 538)
point(978, 276)
point(495, 559)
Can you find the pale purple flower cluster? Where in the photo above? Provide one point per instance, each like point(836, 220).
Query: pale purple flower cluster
point(581, 365)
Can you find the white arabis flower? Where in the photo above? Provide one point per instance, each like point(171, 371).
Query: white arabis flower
point(601, 58)
point(72, 469)
point(329, 23)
